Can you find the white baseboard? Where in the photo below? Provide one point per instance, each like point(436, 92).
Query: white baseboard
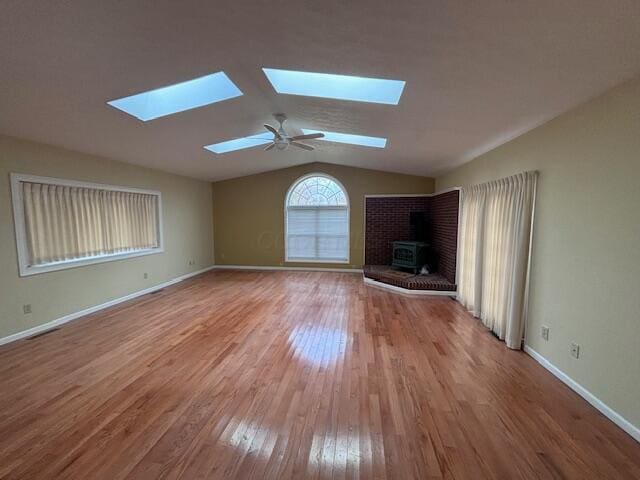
point(406, 291)
point(81, 313)
point(300, 269)
point(611, 414)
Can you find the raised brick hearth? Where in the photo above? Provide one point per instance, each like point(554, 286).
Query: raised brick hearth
point(403, 279)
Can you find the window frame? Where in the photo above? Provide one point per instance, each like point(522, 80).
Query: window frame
point(25, 270)
point(286, 219)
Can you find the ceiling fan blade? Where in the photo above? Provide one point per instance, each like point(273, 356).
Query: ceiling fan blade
point(302, 146)
point(269, 147)
point(272, 130)
point(308, 136)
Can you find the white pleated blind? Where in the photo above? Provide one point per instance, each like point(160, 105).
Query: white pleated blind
point(317, 222)
point(67, 223)
point(317, 233)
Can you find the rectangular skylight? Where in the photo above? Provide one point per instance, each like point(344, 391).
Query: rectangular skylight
point(179, 97)
point(240, 143)
point(341, 87)
point(377, 142)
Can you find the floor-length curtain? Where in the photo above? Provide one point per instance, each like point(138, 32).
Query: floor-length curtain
point(495, 236)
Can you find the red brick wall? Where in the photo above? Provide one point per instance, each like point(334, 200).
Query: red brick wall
point(387, 220)
point(443, 218)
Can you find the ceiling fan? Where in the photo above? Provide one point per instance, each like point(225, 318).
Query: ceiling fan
point(281, 140)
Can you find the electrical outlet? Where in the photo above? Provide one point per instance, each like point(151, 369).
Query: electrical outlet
point(145, 275)
point(26, 308)
point(544, 332)
point(192, 262)
point(575, 350)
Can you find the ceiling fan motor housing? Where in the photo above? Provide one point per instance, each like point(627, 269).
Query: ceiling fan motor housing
point(281, 143)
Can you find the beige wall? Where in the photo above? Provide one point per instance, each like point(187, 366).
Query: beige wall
point(248, 212)
point(586, 252)
point(188, 233)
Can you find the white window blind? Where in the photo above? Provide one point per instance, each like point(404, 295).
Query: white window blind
point(63, 223)
point(317, 221)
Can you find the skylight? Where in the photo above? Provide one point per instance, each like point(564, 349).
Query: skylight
point(341, 87)
point(377, 142)
point(240, 143)
point(179, 97)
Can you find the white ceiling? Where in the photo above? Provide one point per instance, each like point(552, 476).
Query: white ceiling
point(477, 73)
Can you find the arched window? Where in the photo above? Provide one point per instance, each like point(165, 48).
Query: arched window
point(317, 221)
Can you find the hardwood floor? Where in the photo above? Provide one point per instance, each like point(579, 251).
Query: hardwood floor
point(292, 375)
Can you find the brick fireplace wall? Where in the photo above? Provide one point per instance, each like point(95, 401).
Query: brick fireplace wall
point(443, 219)
point(387, 220)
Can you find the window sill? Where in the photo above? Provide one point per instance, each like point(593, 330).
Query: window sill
point(26, 271)
point(307, 260)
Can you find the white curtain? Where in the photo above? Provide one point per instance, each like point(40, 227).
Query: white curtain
point(495, 235)
point(66, 223)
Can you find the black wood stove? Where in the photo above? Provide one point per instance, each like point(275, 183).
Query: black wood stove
point(413, 255)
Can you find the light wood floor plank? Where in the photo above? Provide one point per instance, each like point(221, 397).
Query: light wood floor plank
point(292, 375)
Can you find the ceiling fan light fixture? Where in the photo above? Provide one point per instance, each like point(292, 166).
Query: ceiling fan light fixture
point(274, 138)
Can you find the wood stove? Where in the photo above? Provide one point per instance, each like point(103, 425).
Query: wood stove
point(411, 255)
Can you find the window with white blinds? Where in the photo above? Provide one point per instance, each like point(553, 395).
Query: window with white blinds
point(317, 221)
point(63, 223)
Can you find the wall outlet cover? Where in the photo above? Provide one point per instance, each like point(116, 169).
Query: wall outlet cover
point(575, 350)
point(26, 308)
point(544, 332)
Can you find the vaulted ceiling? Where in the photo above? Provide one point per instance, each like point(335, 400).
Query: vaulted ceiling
point(477, 74)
